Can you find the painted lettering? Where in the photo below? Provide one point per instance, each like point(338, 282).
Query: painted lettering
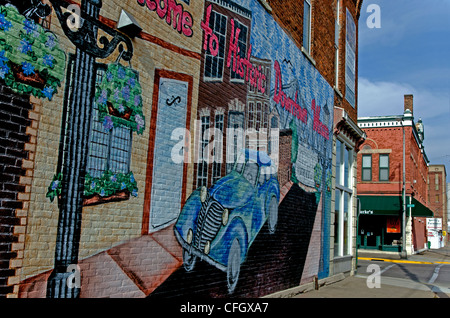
point(318, 126)
point(286, 102)
point(211, 41)
point(174, 14)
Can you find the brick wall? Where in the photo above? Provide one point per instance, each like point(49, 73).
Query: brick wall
point(16, 133)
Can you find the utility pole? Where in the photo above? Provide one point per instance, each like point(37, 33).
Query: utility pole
point(404, 254)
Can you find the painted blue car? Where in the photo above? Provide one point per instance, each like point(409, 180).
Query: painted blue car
point(219, 224)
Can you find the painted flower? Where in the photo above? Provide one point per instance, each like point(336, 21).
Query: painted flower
point(29, 26)
point(121, 108)
point(103, 97)
point(126, 93)
point(93, 185)
point(139, 121)
point(102, 193)
point(5, 25)
point(50, 42)
point(121, 73)
point(27, 68)
point(113, 178)
point(123, 186)
point(3, 58)
point(55, 185)
point(25, 46)
point(48, 92)
point(107, 123)
point(137, 100)
point(134, 193)
point(132, 82)
point(4, 69)
point(109, 76)
point(116, 94)
point(132, 180)
point(48, 60)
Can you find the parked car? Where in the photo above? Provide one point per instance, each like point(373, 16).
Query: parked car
point(219, 224)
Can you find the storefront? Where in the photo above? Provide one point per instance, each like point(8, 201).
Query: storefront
point(380, 221)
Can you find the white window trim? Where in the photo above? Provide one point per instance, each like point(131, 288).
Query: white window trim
point(343, 189)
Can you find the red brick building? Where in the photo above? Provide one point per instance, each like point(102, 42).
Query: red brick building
point(437, 194)
point(392, 183)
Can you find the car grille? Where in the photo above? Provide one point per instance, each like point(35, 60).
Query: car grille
point(208, 222)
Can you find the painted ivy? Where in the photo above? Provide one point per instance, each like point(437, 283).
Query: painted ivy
point(106, 185)
point(119, 99)
point(31, 61)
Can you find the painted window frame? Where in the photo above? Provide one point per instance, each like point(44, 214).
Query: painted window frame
point(219, 124)
point(222, 46)
point(234, 77)
point(337, 30)
point(202, 166)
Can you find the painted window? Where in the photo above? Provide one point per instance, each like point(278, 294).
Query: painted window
point(242, 44)
point(202, 168)
point(108, 149)
point(384, 168)
point(307, 26)
point(343, 199)
point(214, 64)
point(367, 168)
point(337, 28)
point(218, 141)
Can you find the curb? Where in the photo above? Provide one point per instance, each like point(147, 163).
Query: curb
point(399, 261)
point(314, 285)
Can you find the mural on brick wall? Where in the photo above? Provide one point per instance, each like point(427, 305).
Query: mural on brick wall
point(252, 88)
point(257, 218)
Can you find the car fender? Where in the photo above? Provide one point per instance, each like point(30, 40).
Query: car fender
point(220, 247)
point(189, 215)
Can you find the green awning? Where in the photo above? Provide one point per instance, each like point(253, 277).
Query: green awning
point(391, 205)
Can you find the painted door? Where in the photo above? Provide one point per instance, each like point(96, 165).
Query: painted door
point(167, 175)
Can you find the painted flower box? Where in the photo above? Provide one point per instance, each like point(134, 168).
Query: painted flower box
point(31, 61)
point(108, 187)
point(119, 99)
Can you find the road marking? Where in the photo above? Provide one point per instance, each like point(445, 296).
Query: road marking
point(389, 267)
point(435, 274)
point(393, 260)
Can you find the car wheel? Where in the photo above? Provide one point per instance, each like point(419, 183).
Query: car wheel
point(234, 265)
point(189, 260)
point(273, 215)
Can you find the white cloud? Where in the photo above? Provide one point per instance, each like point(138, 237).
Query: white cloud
point(387, 98)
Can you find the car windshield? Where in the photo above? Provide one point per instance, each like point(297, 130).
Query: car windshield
point(251, 172)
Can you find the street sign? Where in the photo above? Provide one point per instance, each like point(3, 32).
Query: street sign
point(410, 205)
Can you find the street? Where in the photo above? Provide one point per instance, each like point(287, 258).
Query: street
point(435, 276)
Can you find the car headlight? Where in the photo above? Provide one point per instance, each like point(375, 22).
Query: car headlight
point(207, 247)
point(203, 192)
point(190, 236)
point(225, 217)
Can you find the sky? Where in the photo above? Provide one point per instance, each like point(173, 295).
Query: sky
point(408, 54)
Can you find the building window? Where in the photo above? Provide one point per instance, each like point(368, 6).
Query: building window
point(108, 149)
point(436, 181)
point(202, 168)
point(307, 26)
point(367, 168)
point(384, 168)
point(214, 64)
point(437, 197)
point(242, 45)
point(343, 199)
point(218, 141)
point(337, 28)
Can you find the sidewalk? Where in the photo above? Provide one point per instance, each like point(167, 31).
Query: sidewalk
point(356, 286)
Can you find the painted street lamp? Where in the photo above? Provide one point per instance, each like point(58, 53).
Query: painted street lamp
point(89, 46)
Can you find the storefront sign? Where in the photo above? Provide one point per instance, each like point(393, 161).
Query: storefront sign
point(434, 223)
point(366, 212)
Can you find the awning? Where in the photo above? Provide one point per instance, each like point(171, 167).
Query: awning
point(391, 205)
